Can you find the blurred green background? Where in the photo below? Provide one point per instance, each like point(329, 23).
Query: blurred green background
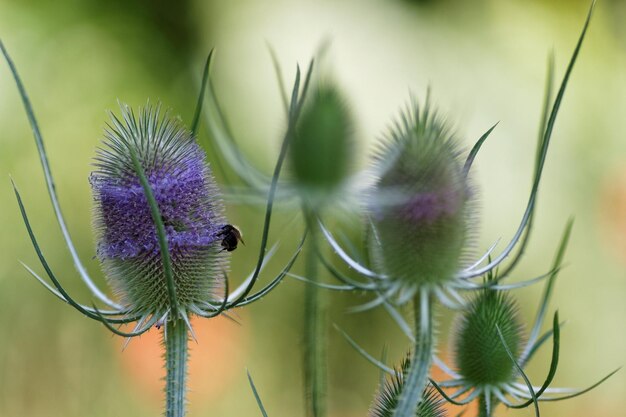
point(485, 61)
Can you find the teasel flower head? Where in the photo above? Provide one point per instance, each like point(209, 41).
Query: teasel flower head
point(189, 205)
point(386, 401)
point(480, 355)
point(322, 149)
point(421, 204)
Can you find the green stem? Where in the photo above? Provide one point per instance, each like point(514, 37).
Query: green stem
point(176, 356)
point(416, 377)
point(482, 407)
point(315, 325)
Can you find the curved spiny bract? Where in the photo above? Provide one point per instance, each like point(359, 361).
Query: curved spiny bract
point(421, 203)
point(189, 205)
point(480, 356)
point(386, 399)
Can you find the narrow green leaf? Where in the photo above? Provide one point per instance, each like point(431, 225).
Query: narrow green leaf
point(269, 287)
point(256, 394)
point(93, 311)
point(547, 293)
point(475, 149)
point(279, 78)
point(380, 365)
point(43, 157)
point(134, 333)
point(576, 394)
point(542, 128)
point(205, 78)
point(294, 111)
point(554, 363)
point(542, 154)
point(446, 396)
point(44, 263)
point(521, 371)
point(160, 229)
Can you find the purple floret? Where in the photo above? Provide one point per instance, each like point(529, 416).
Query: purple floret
point(429, 207)
point(185, 195)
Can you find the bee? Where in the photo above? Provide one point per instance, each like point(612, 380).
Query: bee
point(230, 237)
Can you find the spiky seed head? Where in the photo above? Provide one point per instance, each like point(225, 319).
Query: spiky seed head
point(386, 399)
point(421, 202)
point(189, 203)
point(322, 149)
point(480, 356)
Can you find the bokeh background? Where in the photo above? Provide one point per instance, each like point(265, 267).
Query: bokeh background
point(485, 61)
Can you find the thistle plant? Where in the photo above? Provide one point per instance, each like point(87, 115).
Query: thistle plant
point(162, 232)
point(164, 241)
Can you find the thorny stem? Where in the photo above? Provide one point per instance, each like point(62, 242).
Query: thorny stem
point(176, 357)
point(315, 325)
point(416, 377)
point(482, 407)
point(483, 411)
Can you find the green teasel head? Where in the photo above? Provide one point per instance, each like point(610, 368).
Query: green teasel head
point(389, 390)
point(422, 202)
point(189, 204)
point(480, 355)
point(322, 149)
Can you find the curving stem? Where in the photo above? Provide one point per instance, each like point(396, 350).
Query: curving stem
point(175, 339)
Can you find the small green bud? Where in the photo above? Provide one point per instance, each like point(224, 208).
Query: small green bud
point(420, 203)
point(322, 149)
point(481, 358)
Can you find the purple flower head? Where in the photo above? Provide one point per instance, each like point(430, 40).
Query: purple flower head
point(188, 201)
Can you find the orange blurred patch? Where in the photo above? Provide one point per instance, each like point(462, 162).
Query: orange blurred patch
point(612, 212)
point(215, 360)
point(471, 410)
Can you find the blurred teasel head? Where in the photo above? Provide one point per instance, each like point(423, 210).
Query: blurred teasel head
point(421, 203)
point(322, 149)
point(161, 150)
